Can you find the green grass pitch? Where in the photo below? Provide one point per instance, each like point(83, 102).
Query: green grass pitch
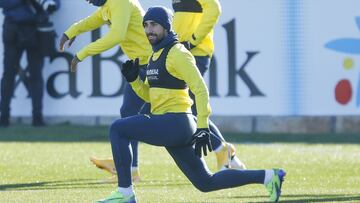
point(51, 164)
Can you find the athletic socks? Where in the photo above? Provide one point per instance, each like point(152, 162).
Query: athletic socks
point(268, 176)
point(126, 191)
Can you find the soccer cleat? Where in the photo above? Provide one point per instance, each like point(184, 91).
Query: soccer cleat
point(117, 197)
point(226, 158)
point(105, 164)
point(274, 186)
point(109, 166)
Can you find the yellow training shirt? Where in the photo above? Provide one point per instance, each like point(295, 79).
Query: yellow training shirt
point(124, 18)
point(190, 22)
point(181, 64)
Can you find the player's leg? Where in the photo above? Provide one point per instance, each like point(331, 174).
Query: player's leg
point(158, 130)
point(132, 105)
point(196, 170)
point(135, 172)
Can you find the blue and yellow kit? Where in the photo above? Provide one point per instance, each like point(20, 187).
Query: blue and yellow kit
point(125, 22)
point(169, 73)
point(180, 66)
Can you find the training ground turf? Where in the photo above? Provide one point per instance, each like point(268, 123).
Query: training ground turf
point(51, 164)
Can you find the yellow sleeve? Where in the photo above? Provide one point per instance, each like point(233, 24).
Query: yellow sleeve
point(181, 64)
point(141, 89)
point(211, 13)
point(89, 23)
point(120, 12)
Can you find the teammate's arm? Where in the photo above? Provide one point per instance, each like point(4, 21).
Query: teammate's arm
point(89, 23)
point(211, 13)
point(120, 17)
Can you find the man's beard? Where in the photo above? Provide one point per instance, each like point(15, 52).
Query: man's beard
point(156, 40)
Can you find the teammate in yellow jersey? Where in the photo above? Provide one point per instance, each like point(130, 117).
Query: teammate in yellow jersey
point(124, 19)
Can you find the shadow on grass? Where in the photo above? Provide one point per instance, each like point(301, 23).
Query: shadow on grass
point(321, 198)
point(300, 198)
point(165, 183)
point(50, 185)
point(82, 183)
point(92, 183)
point(76, 133)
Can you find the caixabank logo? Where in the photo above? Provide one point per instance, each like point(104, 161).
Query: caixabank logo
point(346, 89)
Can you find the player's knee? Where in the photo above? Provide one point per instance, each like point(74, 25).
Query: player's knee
point(115, 129)
point(203, 187)
point(112, 130)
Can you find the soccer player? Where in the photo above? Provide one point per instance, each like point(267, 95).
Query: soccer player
point(194, 22)
point(170, 73)
point(125, 21)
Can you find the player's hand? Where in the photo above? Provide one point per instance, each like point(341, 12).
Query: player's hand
point(187, 45)
point(201, 139)
point(63, 40)
point(130, 70)
point(74, 63)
